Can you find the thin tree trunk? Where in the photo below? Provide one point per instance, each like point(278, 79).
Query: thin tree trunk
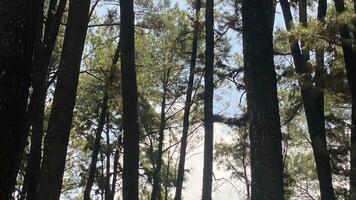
point(303, 19)
point(96, 145)
point(115, 172)
point(38, 98)
point(108, 156)
point(262, 101)
point(156, 189)
point(102, 188)
point(19, 33)
point(313, 100)
point(350, 65)
point(208, 102)
point(166, 194)
point(129, 100)
point(57, 137)
point(188, 100)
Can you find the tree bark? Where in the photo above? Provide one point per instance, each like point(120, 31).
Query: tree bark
point(350, 65)
point(262, 101)
point(208, 102)
point(108, 159)
point(19, 33)
point(96, 147)
point(313, 100)
point(116, 166)
point(188, 102)
point(129, 100)
point(99, 130)
point(156, 189)
point(38, 98)
point(57, 137)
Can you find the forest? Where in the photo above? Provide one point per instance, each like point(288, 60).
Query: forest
point(177, 99)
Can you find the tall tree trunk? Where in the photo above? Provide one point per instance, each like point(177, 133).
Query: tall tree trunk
point(156, 189)
point(303, 19)
point(129, 100)
point(96, 146)
point(350, 65)
point(38, 97)
point(208, 101)
point(57, 137)
point(188, 100)
point(313, 100)
point(115, 171)
point(166, 191)
point(99, 130)
point(262, 101)
point(108, 158)
point(19, 34)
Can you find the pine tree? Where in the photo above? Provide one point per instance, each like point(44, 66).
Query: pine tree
point(60, 121)
point(129, 101)
point(262, 101)
point(19, 33)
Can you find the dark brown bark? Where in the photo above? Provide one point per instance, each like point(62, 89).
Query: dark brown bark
point(59, 125)
point(38, 97)
point(96, 147)
point(166, 191)
point(350, 65)
point(99, 130)
point(19, 32)
point(313, 101)
point(108, 159)
point(156, 189)
point(303, 19)
point(129, 100)
point(262, 101)
point(208, 101)
point(116, 166)
point(187, 106)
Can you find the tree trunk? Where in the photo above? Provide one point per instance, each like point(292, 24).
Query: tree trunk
point(350, 65)
point(313, 100)
point(129, 100)
point(108, 158)
point(19, 33)
point(166, 191)
point(57, 137)
point(96, 147)
point(115, 172)
point(38, 98)
point(156, 189)
point(99, 130)
point(208, 102)
point(262, 101)
point(188, 100)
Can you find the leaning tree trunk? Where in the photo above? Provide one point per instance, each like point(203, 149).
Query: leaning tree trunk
point(59, 125)
point(313, 101)
point(19, 33)
point(99, 130)
point(350, 65)
point(156, 189)
point(188, 102)
point(262, 101)
point(129, 101)
point(38, 98)
point(96, 147)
